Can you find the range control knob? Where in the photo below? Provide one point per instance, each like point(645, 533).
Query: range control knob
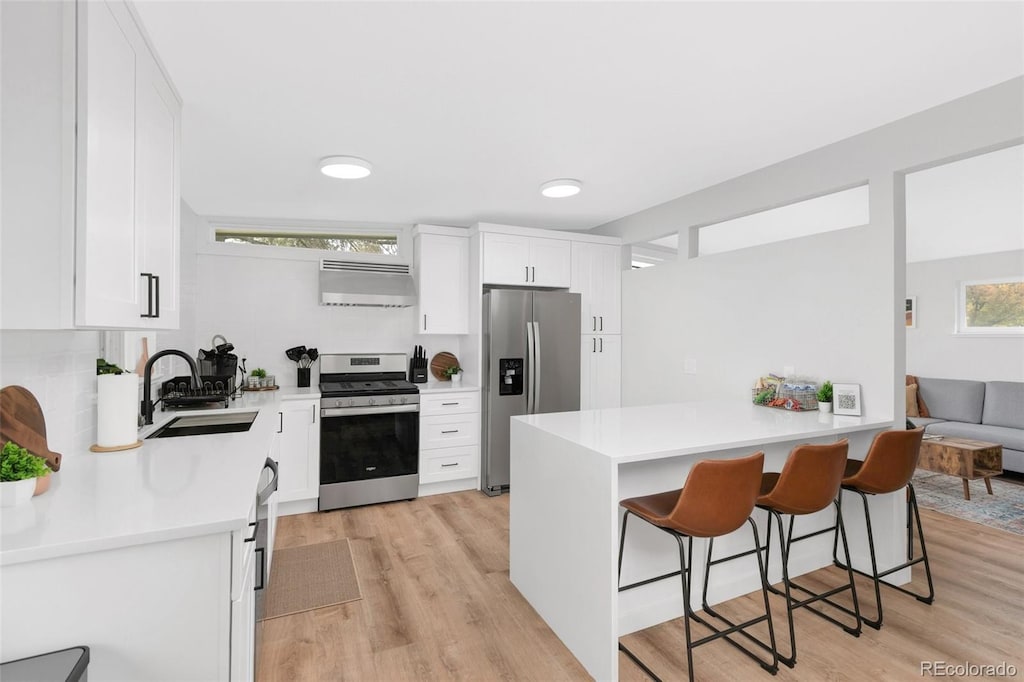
point(391, 401)
point(371, 401)
point(337, 403)
point(404, 399)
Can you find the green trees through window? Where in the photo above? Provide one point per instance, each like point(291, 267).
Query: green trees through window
point(383, 244)
point(994, 305)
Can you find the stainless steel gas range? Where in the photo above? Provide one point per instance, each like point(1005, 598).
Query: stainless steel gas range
point(369, 430)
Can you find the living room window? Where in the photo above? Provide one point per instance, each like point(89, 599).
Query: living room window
point(991, 307)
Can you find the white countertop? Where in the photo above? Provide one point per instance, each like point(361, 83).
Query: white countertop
point(631, 434)
point(167, 489)
point(433, 386)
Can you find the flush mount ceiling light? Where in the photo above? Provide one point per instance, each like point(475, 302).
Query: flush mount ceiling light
point(561, 188)
point(345, 167)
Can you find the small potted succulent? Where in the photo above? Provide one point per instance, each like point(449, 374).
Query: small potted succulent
point(825, 397)
point(22, 475)
point(454, 373)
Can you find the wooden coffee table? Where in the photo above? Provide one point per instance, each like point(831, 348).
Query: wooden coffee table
point(964, 458)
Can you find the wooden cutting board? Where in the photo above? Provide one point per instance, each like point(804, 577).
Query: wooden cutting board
point(22, 421)
point(440, 362)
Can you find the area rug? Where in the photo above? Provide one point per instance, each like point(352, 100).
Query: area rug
point(1004, 509)
point(311, 577)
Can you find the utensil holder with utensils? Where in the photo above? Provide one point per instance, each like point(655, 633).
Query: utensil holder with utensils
point(303, 377)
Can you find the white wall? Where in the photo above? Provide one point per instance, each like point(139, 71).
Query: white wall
point(933, 350)
point(829, 304)
point(264, 306)
point(59, 367)
point(745, 313)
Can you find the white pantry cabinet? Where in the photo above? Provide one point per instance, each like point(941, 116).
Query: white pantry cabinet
point(91, 190)
point(597, 277)
point(600, 371)
point(441, 264)
point(298, 454)
point(519, 260)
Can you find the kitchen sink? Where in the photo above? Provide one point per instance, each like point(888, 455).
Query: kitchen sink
point(205, 424)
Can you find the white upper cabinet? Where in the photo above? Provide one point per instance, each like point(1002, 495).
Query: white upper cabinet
point(104, 122)
point(441, 264)
point(597, 276)
point(526, 261)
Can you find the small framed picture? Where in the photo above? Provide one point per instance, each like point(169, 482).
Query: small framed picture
point(846, 399)
point(912, 311)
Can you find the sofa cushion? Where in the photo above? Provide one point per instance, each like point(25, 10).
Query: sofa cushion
point(1011, 439)
point(955, 400)
point(1004, 404)
point(925, 421)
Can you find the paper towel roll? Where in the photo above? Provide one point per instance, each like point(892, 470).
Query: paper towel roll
point(117, 410)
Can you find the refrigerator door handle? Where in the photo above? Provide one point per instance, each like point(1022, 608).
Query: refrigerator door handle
point(536, 366)
point(530, 354)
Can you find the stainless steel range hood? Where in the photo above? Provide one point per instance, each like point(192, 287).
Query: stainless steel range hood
point(354, 283)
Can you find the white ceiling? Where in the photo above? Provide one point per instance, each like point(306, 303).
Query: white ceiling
point(465, 108)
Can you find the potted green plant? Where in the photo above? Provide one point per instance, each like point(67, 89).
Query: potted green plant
point(256, 377)
point(21, 473)
point(454, 373)
point(825, 397)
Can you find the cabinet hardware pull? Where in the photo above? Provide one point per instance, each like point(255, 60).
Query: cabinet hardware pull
point(452, 431)
point(595, 323)
point(149, 294)
point(593, 343)
point(601, 317)
point(534, 271)
point(263, 568)
point(527, 273)
point(280, 422)
point(602, 344)
point(446, 404)
point(314, 415)
point(254, 525)
point(453, 464)
point(424, 322)
point(157, 278)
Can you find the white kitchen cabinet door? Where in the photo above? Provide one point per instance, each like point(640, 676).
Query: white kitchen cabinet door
point(442, 278)
point(600, 371)
point(597, 277)
point(243, 626)
point(157, 205)
point(550, 262)
point(108, 284)
point(299, 450)
point(506, 259)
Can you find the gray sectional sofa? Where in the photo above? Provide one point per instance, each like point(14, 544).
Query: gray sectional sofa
point(991, 411)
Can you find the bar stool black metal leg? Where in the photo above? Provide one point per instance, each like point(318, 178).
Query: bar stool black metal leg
point(784, 546)
point(687, 611)
point(924, 551)
point(622, 543)
point(856, 630)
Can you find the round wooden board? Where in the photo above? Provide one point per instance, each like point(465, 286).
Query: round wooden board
point(261, 388)
point(440, 362)
point(115, 448)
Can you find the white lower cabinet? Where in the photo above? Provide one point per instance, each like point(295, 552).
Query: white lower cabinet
point(600, 371)
point(449, 440)
point(298, 456)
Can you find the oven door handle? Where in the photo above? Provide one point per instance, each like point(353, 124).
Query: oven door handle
point(357, 411)
point(271, 487)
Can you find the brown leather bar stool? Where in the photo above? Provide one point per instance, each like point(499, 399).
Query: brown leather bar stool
point(889, 467)
point(808, 483)
point(718, 497)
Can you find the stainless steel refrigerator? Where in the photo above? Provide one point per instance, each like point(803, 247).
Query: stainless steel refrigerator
point(531, 360)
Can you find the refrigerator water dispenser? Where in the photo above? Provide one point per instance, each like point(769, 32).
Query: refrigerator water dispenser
point(510, 376)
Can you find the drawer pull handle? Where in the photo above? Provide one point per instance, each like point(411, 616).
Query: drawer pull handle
point(453, 464)
point(452, 431)
point(448, 404)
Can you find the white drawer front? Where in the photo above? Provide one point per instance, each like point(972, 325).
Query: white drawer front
point(449, 464)
point(433, 404)
point(449, 432)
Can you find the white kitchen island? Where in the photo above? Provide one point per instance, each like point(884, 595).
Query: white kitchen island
point(569, 470)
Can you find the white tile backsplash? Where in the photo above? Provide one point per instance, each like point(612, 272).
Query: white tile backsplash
point(59, 367)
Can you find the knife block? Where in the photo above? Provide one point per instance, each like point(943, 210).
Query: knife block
point(418, 370)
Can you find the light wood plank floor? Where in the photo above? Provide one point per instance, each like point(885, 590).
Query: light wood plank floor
point(438, 605)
